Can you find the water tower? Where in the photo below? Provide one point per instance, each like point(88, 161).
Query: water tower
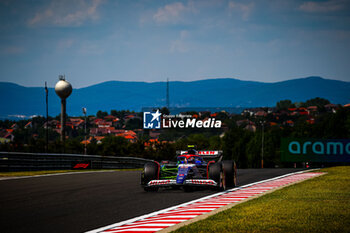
point(63, 89)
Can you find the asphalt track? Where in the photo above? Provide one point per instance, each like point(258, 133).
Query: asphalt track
point(81, 202)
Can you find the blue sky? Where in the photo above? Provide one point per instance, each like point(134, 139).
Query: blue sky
point(91, 41)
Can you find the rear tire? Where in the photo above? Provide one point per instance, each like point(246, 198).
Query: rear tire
point(229, 169)
point(150, 172)
point(216, 174)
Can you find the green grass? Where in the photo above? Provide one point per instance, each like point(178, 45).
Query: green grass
point(321, 204)
point(37, 173)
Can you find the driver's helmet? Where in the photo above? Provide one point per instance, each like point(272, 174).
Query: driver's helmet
point(198, 160)
point(192, 152)
point(191, 159)
point(181, 160)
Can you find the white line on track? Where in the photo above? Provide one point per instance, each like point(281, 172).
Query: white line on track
point(54, 174)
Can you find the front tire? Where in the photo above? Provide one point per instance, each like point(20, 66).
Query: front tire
point(150, 172)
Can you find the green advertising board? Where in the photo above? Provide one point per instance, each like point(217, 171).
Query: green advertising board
point(315, 150)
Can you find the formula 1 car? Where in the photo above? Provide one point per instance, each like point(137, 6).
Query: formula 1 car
point(192, 169)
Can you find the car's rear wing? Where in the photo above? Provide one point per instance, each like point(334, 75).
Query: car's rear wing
point(205, 154)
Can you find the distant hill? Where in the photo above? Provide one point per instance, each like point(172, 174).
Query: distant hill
point(227, 92)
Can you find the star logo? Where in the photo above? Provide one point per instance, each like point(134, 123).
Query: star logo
point(155, 115)
point(151, 120)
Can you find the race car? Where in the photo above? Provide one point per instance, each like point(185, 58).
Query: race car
point(192, 169)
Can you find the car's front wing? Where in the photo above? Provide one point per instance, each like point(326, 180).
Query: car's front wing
point(190, 182)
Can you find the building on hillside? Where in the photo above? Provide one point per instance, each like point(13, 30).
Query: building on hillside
point(111, 118)
point(14, 126)
point(331, 108)
point(50, 124)
point(29, 125)
point(104, 124)
point(243, 123)
point(6, 136)
point(251, 111)
point(99, 139)
point(261, 114)
point(87, 141)
point(77, 123)
point(298, 111)
point(289, 123)
point(250, 127)
point(272, 123)
point(311, 120)
point(68, 124)
point(312, 109)
point(98, 131)
point(128, 135)
point(151, 143)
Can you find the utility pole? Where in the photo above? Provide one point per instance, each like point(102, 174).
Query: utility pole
point(47, 118)
point(167, 94)
point(262, 144)
point(85, 138)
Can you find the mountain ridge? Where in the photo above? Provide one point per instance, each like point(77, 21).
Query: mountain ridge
point(221, 92)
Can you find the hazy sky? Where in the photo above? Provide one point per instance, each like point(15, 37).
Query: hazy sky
point(92, 41)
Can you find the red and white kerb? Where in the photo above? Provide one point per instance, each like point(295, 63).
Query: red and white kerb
point(162, 219)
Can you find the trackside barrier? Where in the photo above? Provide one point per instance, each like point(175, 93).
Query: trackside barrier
point(15, 161)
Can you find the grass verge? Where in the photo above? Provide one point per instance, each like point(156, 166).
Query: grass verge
point(38, 173)
point(318, 205)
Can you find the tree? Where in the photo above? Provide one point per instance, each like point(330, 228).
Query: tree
point(284, 105)
point(335, 126)
point(319, 102)
point(93, 148)
point(199, 140)
point(101, 114)
point(165, 111)
point(74, 146)
point(115, 146)
point(222, 116)
point(134, 123)
point(235, 145)
point(114, 113)
point(272, 142)
point(300, 104)
point(253, 150)
point(6, 123)
point(165, 151)
point(215, 143)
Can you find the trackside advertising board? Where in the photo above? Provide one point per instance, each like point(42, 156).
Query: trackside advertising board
point(86, 164)
point(315, 150)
